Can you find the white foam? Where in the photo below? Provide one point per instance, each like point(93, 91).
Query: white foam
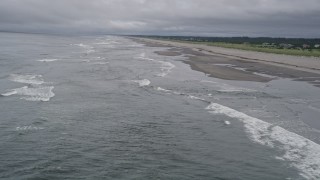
point(222, 87)
point(26, 128)
point(115, 42)
point(100, 63)
point(89, 49)
point(232, 66)
point(82, 45)
point(103, 43)
point(136, 45)
point(196, 98)
point(165, 68)
point(206, 81)
point(34, 93)
point(227, 65)
point(10, 93)
point(27, 79)
point(109, 42)
point(180, 93)
point(47, 60)
point(301, 152)
point(240, 68)
point(143, 55)
point(144, 82)
point(234, 89)
point(299, 101)
point(164, 90)
point(173, 92)
point(265, 75)
point(314, 108)
point(145, 58)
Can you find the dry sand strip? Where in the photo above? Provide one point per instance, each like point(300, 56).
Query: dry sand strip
point(308, 64)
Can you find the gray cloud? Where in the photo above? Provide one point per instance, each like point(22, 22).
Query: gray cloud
point(290, 18)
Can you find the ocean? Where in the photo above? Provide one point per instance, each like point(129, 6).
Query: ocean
point(107, 107)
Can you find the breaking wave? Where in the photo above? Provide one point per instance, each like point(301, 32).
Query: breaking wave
point(89, 49)
point(36, 93)
point(144, 82)
point(165, 68)
point(27, 79)
point(301, 152)
point(28, 128)
point(47, 60)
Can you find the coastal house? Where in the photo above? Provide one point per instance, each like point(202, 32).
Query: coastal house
point(305, 46)
point(268, 45)
point(265, 44)
point(285, 46)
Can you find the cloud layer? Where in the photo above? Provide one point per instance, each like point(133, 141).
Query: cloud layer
point(289, 18)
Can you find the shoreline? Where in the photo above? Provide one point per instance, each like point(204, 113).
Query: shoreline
point(308, 64)
point(239, 65)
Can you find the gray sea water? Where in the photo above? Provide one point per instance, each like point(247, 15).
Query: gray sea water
point(105, 107)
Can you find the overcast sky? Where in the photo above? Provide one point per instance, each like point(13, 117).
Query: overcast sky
point(285, 18)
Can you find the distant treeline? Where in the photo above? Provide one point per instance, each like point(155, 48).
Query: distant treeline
point(241, 40)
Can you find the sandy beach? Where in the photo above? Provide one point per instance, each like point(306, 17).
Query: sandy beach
point(233, 64)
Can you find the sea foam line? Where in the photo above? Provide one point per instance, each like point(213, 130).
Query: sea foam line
point(10, 93)
point(301, 152)
point(181, 94)
point(25, 128)
point(228, 88)
point(27, 79)
point(99, 63)
point(89, 49)
point(47, 60)
point(33, 93)
point(165, 68)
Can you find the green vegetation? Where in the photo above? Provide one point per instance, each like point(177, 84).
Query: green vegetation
point(251, 47)
point(288, 46)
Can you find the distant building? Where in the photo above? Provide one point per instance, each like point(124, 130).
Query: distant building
point(317, 45)
point(285, 46)
point(305, 46)
point(268, 45)
point(265, 44)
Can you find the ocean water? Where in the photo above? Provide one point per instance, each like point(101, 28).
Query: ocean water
point(106, 107)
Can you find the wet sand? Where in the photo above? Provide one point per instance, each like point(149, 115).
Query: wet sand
point(232, 64)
